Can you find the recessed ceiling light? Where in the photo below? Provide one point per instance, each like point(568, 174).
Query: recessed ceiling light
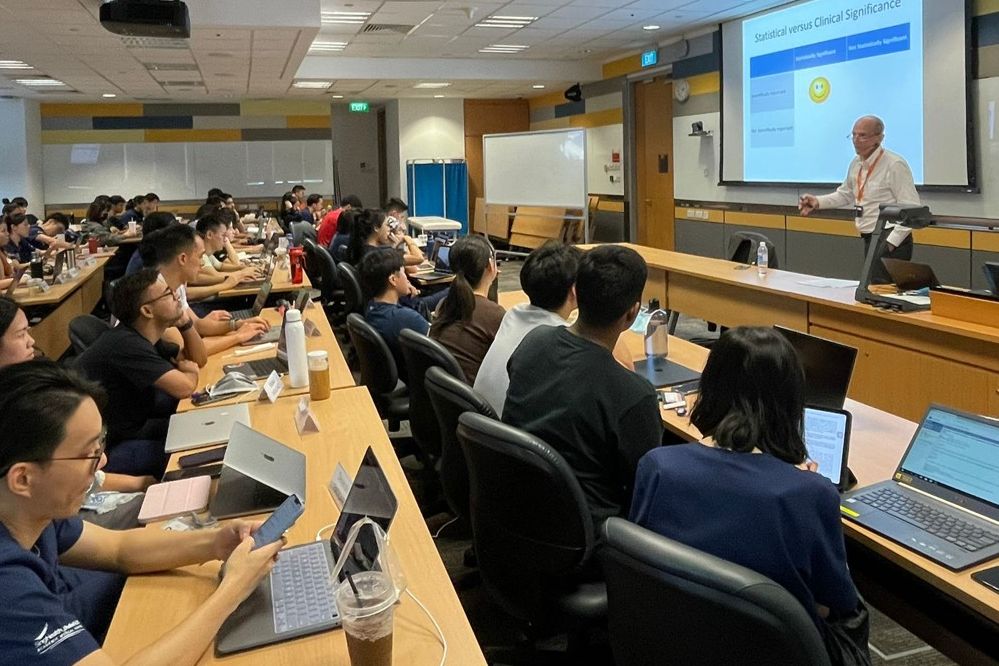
point(344, 18)
point(14, 64)
point(538, 86)
point(336, 96)
point(108, 95)
point(503, 48)
point(40, 83)
point(312, 85)
point(438, 96)
point(509, 22)
point(320, 46)
point(426, 85)
point(650, 27)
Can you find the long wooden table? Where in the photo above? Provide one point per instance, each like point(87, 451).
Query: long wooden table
point(905, 361)
point(340, 376)
point(152, 604)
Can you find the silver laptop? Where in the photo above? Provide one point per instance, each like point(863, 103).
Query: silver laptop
point(258, 473)
point(204, 427)
point(297, 598)
point(943, 500)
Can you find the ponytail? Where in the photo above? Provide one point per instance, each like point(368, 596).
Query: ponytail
point(469, 260)
point(365, 223)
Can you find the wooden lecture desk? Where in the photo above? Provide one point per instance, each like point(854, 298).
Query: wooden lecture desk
point(153, 604)
point(340, 376)
point(905, 361)
point(280, 284)
point(947, 609)
point(60, 304)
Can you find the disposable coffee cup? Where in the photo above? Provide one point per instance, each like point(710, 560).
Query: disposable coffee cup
point(367, 616)
point(131, 226)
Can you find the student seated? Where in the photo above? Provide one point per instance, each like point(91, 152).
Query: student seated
point(43, 234)
point(370, 232)
point(48, 459)
point(150, 223)
point(135, 366)
point(567, 388)
point(18, 247)
point(747, 493)
point(331, 224)
point(547, 277)
point(383, 280)
point(341, 241)
point(213, 230)
point(466, 320)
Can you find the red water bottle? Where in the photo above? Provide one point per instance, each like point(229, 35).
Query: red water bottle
point(295, 254)
point(92, 244)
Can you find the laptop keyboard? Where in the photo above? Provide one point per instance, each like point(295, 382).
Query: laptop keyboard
point(262, 367)
point(944, 525)
point(300, 588)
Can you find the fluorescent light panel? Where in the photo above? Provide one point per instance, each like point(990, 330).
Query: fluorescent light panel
point(40, 83)
point(327, 47)
point(14, 64)
point(503, 48)
point(426, 85)
point(312, 85)
point(344, 18)
point(514, 22)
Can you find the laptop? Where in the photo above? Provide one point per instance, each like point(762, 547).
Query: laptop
point(258, 302)
point(258, 473)
point(60, 263)
point(262, 367)
point(910, 276)
point(943, 500)
point(297, 598)
point(662, 372)
point(439, 257)
point(204, 427)
point(828, 367)
point(991, 269)
point(827, 439)
point(15, 282)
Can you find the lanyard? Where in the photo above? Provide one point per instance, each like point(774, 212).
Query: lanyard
point(861, 186)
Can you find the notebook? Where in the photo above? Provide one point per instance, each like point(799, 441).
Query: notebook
point(943, 500)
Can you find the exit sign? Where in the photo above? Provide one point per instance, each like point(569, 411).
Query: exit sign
point(359, 107)
point(650, 58)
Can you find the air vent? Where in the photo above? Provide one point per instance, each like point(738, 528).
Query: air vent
point(387, 27)
point(154, 43)
point(170, 67)
point(182, 84)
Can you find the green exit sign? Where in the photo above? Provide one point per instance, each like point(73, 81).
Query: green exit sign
point(359, 107)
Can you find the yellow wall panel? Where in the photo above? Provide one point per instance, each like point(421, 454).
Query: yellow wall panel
point(181, 135)
point(703, 84)
point(597, 118)
point(310, 122)
point(554, 123)
point(985, 7)
point(627, 65)
point(550, 99)
point(819, 225)
point(53, 110)
point(754, 219)
point(958, 238)
point(986, 241)
point(92, 136)
point(278, 107)
point(701, 214)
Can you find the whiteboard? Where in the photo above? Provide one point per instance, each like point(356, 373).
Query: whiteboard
point(76, 173)
point(546, 168)
point(601, 144)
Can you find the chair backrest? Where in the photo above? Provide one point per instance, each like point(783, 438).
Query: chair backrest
point(742, 247)
point(329, 279)
point(352, 295)
point(341, 252)
point(378, 370)
point(530, 522)
point(84, 330)
point(670, 603)
point(422, 353)
point(312, 268)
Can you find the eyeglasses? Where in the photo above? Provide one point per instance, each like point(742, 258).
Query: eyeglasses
point(169, 292)
point(861, 135)
point(102, 443)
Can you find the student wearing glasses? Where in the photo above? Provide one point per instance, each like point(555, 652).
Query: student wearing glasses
point(48, 460)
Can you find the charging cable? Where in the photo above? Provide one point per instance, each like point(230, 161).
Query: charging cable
point(440, 634)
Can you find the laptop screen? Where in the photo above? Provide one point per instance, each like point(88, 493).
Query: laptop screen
point(957, 451)
point(827, 433)
point(828, 367)
point(370, 496)
point(443, 257)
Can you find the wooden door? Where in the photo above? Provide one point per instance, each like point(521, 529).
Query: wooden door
point(654, 162)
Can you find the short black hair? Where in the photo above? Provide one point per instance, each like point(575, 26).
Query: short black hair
point(549, 273)
point(128, 292)
point(214, 192)
point(209, 222)
point(137, 200)
point(152, 197)
point(60, 218)
point(313, 199)
point(609, 282)
point(14, 220)
point(30, 434)
point(116, 199)
point(8, 310)
point(156, 221)
point(163, 246)
point(297, 188)
point(395, 205)
point(375, 269)
point(752, 394)
point(206, 209)
point(351, 200)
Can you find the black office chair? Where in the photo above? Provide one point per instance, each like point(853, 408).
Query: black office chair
point(84, 330)
point(422, 353)
point(532, 530)
point(331, 293)
point(670, 603)
point(743, 246)
point(312, 268)
point(451, 397)
point(341, 253)
point(378, 371)
point(352, 295)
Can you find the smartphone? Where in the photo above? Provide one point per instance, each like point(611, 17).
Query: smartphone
point(279, 522)
point(208, 470)
point(202, 458)
point(988, 577)
point(671, 399)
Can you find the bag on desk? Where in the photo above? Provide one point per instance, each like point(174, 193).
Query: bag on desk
point(846, 638)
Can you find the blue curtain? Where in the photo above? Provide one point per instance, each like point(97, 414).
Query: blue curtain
point(439, 189)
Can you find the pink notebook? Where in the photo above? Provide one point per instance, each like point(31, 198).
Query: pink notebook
point(173, 498)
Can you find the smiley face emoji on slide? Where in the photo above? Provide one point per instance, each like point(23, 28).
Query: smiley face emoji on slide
point(819, 89)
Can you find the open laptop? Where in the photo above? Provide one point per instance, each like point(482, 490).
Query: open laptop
point(262, 367)
point(258, 473)
point(827, 439)
point(297, 598)
point(258, 302)
point(57, 268)
point(15, 282)
point(910, 276)
point(440, 258)
point(943, 500)
point(204, 427)
point(662, 372)
point(828, 367)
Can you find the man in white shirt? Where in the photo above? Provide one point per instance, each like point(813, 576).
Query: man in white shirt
point(875, 176)
point(548, 277)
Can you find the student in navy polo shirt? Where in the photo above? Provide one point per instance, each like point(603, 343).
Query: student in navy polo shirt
point(18, 246)
point(48, 459)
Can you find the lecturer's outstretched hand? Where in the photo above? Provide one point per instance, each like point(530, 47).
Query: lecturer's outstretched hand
point(807, 203)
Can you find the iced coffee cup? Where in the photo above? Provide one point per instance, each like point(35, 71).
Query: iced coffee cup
point(366, 612)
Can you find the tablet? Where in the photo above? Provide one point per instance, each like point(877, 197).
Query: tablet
point(827, 438)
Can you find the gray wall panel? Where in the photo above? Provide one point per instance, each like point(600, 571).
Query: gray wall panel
point(978, 259)
point(776, 236)
point(825, 255)
point(952, 266)
point(705, 239)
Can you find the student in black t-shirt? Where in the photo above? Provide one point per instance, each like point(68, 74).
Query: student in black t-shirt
point(567, 388)
point(134, 365)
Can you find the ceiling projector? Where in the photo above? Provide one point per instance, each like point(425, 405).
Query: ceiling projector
point(146, 18)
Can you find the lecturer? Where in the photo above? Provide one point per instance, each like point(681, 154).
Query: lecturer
point(875, 176)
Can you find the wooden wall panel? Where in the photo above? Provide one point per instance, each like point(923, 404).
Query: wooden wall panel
point(489, 116)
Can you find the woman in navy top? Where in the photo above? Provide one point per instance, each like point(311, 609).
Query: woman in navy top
point(748, 493)
point(18, 245)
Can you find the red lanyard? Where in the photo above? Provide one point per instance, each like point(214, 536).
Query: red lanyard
point(861, 186)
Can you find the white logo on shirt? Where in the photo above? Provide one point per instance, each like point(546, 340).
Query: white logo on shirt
point(46, 640)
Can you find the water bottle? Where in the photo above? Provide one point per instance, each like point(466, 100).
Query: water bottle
point(657, 331)
point(298, 359)
point(761, 260)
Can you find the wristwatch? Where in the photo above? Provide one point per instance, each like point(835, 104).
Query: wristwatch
point(184, 328)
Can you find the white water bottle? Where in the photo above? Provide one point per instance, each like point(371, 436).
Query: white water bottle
point(298, 359)
point(657, 333)
point(761, 260)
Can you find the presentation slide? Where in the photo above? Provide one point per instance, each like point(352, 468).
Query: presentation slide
point(795, 79)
